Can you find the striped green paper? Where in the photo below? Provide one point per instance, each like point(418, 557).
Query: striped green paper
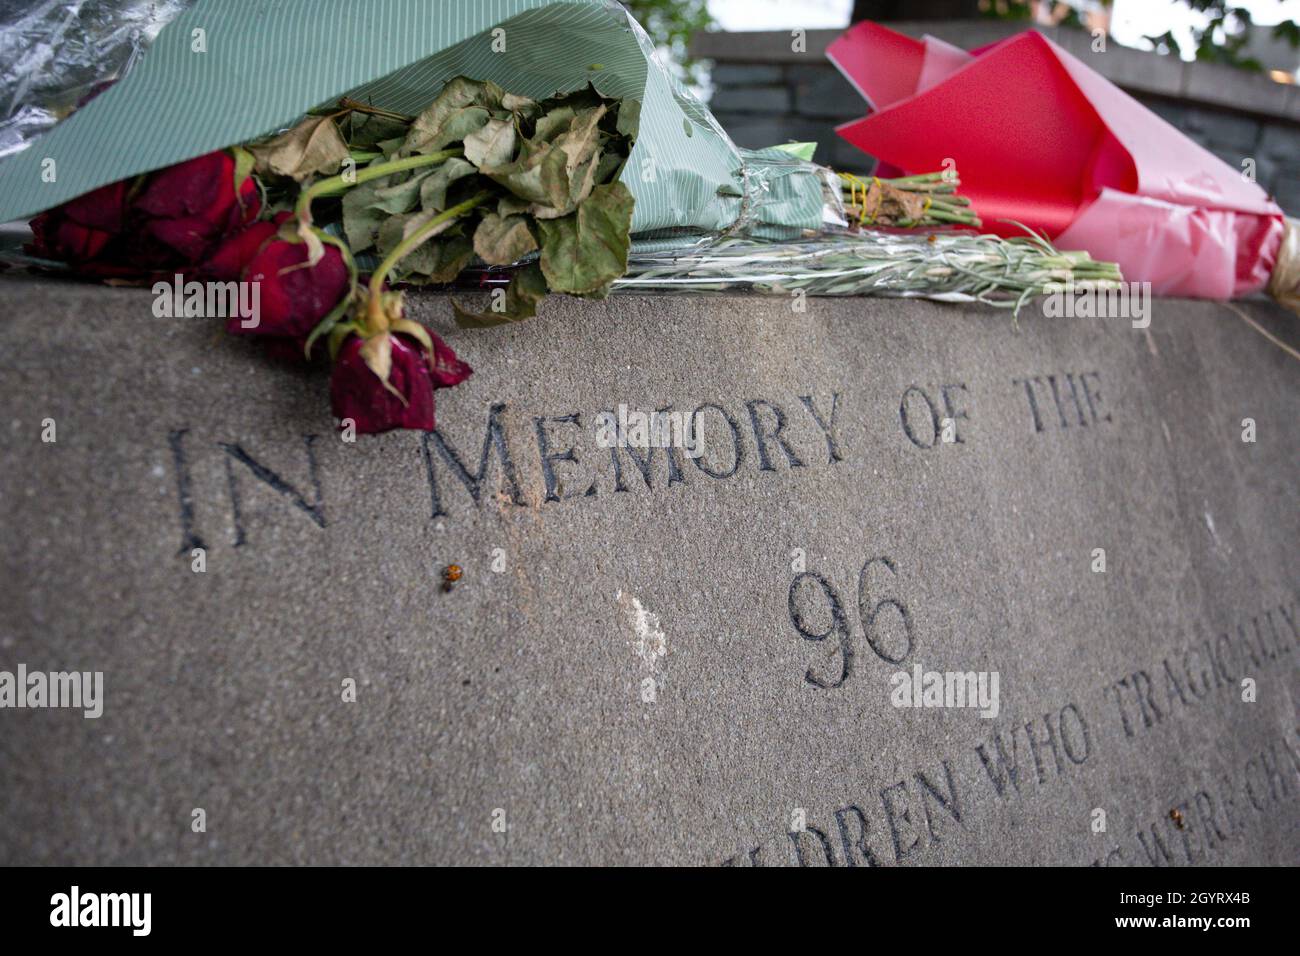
point(266, 62)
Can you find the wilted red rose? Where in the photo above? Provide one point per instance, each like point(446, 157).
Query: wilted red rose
point(446, 369)
point(192, 205)
point(294, 297)
point(237, 250)
point(174, 220)
point(357, 393)
point(78, 231)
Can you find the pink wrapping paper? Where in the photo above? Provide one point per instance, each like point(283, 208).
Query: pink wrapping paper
point(1040, 138)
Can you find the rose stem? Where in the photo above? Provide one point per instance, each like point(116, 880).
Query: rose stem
point(378, 321)
point(354, 106)
point(341, 184)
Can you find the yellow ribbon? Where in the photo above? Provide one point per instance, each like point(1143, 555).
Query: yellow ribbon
point(854, 183)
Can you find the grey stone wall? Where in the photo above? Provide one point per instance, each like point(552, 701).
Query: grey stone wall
point(622, 675)
point(766, 93)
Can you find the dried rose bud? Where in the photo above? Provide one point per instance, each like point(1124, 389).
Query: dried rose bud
point(405, 399)
point(293, 296)
point(79, 231)
point(189, 207)
point(358, 393)
point(236, 251)
point(177, 218)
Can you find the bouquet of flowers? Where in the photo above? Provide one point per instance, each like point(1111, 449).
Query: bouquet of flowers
point(480, 173)
point(1058, 147)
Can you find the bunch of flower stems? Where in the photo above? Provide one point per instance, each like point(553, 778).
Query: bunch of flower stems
point(948, 266)
point(908, 202)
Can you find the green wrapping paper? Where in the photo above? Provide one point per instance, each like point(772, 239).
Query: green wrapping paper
point(266, 62)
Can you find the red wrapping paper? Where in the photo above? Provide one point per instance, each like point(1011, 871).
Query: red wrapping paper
point(1040, 138)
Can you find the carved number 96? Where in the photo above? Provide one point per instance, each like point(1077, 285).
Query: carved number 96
point(871, 614)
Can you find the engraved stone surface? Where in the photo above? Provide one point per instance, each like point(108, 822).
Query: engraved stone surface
point(653, 657)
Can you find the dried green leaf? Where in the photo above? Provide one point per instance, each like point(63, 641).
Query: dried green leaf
point(580, 99)
point(554, 181)
point(459, 125)
point(563, 187)
point(455, 94)
point(567, 190)
point(402, 196)
point(390, 147)
point(366, 208)
point(580, 140)
point(366, 130)
point(461, 108)
point(527, 288)
point(433, 190)
point(491, 95)
point(629, 117)
point(451, 254)
point(500, 241)
point(361, 220)
point(585, 251)
point(313, 147)
point(582, 180)
point(520, 105)
point(609, 166)
point(423, 258)
point(539, 178)
point(552, 124)
point(509, 205)
point(492, 145)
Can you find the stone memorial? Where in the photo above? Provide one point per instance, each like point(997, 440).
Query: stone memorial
point(925, 585)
